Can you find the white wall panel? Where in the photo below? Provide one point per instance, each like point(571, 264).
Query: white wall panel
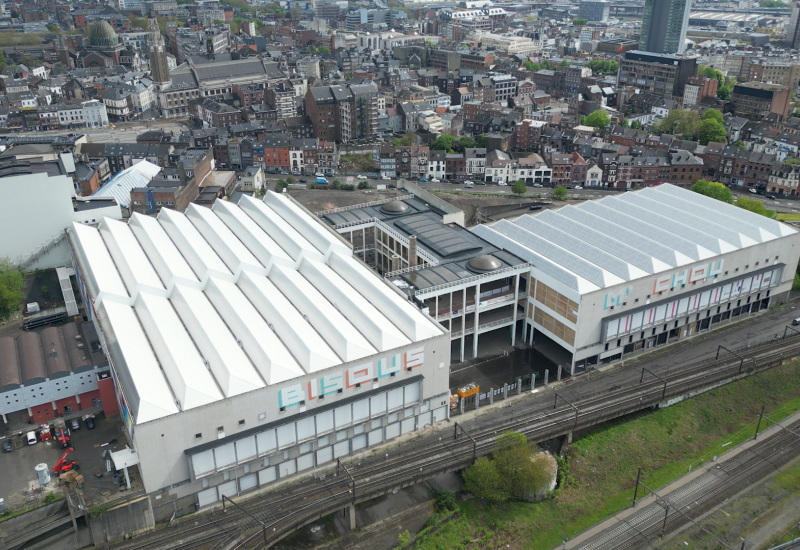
point(392, 430)
point(225, 455)
point(704, 298)
point(395, 398)
point(266, 441)
point(407, 425)
point(343, 416)
point(636, 320)
point(324, 455)
point(286, 435)
point(248, 482)
point(324, 422)
point(360, 410)
point(203, 462)
point(424, 419)
point(439, 414)
point(683, 306)
point(341, 449)
point(228, 489)
point(207, 497)
point(612, 328)
point(305, 428)
point(377, 404)
point(267, 475)
point(287, 468)
point(305, 462)
point(359, 442)
point(661, 312)
point(375, 437)
point(411, 393)
point(246, 448)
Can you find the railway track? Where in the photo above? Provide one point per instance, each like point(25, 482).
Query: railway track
point(287, 508)
point(692, 500)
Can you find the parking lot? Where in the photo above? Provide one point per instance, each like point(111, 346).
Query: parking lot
point(19, 477)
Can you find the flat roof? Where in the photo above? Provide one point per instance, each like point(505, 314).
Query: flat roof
point(450, 245)
point(616, 239)
point(206, 305)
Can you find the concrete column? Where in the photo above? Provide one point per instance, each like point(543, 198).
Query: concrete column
point(491, 396)
point(558, 376)
point(463, 320)
point(546, 376)
point(461, 404)
point(351, 511)
point(516, 299)
point(572, 366)
point(477, 401)
point(519, 386)
point(505, 391)
point(5, 419)
point(533, 381)
point(476, 317)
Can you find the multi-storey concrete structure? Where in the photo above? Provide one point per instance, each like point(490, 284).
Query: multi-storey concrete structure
point(664, 24)
point(594, 10)
point(755, 100)
point(662, 75)
point(642, 269)
point(258, 352)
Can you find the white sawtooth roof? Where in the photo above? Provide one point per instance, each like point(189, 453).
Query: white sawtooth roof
point(217, 302)
point(629, 236)
point(120, 186)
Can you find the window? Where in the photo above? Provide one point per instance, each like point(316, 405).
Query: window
point(241, 422)
point(198, 436)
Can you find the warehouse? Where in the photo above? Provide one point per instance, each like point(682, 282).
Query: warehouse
point(641, 269)
point(246, 344)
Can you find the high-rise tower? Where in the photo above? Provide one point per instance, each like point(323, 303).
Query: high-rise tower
point(664, 25)
point(793, 30)
point(159, 70)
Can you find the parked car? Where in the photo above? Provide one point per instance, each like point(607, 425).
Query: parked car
point(385, 178)
point(535, 207)
point(502, 183)
point(8, 446)
point(578, 187)
point(753, 191)
point(302, 181)
point(284, 173)
point(771, 197)
point(423, 180)
point(434, 180)
point(319, 174)
point(89, 423)
point(480, 182)
point(537, 185)
point(74, 424)
point(469, 183)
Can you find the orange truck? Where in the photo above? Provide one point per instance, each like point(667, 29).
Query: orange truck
point(469, 389)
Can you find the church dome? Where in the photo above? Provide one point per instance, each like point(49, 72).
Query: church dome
point(101, 34)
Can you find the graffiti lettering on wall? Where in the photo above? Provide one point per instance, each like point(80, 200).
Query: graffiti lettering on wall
point(354, 377)
point(686, 276)
point(616, 300)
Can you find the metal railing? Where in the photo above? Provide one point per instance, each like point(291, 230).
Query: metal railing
point(522, 268)
point(486, 326)
point(362, 205)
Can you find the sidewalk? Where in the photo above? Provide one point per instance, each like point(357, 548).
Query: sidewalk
point(621, 516)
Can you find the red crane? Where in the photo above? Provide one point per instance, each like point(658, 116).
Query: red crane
point(64, 465)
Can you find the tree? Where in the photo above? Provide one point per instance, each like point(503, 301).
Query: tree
point(12, 288)
point(528, 65)
point(636, 125)
point(560, 192)
point(482, 480)
point(466, 142)
point(679, 122)
point(740, 144)
point(55, 29)
point(406, 141)
point(713, 189)
point(296, 12)
point(579, 22)
point(713, 114)
point(752, 205)
point(323, 49)
point(519, 188)
point(599, 66)
point(710, 72)
point(444, 142)
point(29, 61)
point(598, 119)
point(723, 93)
point(711, 130)
point(482, 141)
point(3, 61)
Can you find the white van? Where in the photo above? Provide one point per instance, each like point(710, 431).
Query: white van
point(32, 438)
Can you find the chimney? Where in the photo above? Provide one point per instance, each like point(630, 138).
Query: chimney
point(412, 251)
point(395, 263)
